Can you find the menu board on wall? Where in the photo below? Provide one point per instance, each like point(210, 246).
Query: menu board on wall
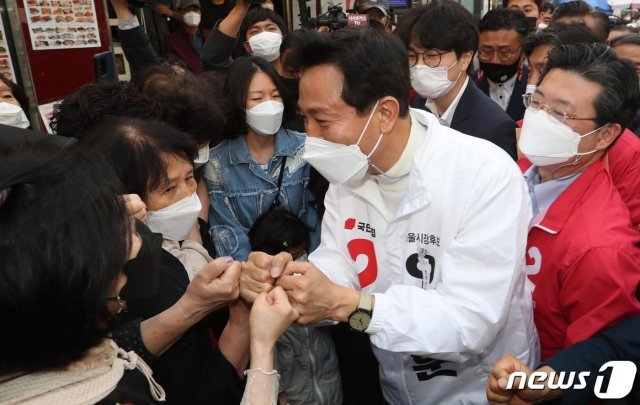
point(62, 24)
point(6, 65)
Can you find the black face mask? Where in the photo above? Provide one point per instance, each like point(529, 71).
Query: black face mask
point(499, 73)
point(142, 271)
point(532, 22)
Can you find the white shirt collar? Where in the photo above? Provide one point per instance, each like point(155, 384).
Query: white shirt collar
point(447, 116)
point(501, 92)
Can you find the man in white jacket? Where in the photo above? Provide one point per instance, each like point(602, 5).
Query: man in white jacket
point(424, 234)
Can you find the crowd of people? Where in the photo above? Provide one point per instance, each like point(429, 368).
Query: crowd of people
point(410, 213)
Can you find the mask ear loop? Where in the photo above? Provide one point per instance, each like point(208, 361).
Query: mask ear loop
point(367, 125)
point(577, 159)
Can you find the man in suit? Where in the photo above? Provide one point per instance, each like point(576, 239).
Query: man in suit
point(503, 73)
point(441, 38)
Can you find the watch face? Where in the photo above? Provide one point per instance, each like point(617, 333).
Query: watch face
point(359, 320)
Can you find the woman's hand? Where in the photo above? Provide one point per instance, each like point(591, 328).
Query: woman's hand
point(271, 315)
point(135, 207)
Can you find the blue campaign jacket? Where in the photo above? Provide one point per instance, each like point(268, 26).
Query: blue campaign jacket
point(240, 191)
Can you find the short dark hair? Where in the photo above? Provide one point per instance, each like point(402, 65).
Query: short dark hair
point(258, 14)
point(18, 93)
point(189, 104)
point(441, 24)
point(547, 7)
point(620, 97)
point(373, 64)
point(557, 35)
point(278, 231)
point(603, 24)
point(624, 28)
point(574, 8)
point(135, 149)
point(505, 4)
point(631, 39)
point(93, 103)
point(505, 19)
point(64, 238)
point(235, 90)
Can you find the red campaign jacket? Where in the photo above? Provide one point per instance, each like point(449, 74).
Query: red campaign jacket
point(624, 166)
point(584, 261)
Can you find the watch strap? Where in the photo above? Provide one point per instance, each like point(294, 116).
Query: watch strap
point(366, 302)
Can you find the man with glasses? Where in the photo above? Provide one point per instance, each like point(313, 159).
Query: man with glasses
point(624, 154)
point(582, 252)
point(503, 74)
point(441, 38)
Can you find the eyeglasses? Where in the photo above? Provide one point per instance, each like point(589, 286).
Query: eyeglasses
point(556, 113)
point(122, 304)
point(504, 55)
point(430, 58)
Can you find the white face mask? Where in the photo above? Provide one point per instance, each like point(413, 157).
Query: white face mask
point(175, 221)
point(431, 82)
point(531, 88)
point(339, 163)
point(266, 117)
point(266, 45)
point(545, 141)
point(268, 6)
point(11, 114)
point(191, 19)
point(542, 26)
point(203, 157)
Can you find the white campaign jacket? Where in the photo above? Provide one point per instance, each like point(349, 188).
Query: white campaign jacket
point(451, 295)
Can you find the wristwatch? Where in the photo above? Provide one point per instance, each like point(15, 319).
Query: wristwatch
point(360, 318)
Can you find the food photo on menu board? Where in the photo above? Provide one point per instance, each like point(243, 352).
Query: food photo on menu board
point(6, 67)
point(62, 24)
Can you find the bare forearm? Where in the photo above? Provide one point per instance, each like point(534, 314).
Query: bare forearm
point(163, 330)
point(234, 346)
point(231, 23)
point(122, 9)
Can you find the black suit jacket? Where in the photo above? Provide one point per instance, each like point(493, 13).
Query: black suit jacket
point(477, 115)
point(515, 109)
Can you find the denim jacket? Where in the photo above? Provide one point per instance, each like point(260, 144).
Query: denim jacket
point(240, 191)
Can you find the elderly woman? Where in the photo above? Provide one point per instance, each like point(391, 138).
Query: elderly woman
point(66, 241)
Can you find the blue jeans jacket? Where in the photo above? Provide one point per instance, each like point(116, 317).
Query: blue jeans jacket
point(240, 191)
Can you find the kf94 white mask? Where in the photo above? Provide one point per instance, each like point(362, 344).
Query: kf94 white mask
point(203, 157)
point(175, 221)
point(11, 114)
point(266, 45)
point(339, 163)
point(191, 19)
point(431, 82)
point(266, 117)
point(545, 141)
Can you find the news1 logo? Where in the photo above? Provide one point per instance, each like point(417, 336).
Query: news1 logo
point(623, 374)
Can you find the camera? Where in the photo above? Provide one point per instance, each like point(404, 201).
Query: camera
point(334, 18)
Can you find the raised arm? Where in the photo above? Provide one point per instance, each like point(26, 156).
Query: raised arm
point(217, 49)
point(135, 43)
